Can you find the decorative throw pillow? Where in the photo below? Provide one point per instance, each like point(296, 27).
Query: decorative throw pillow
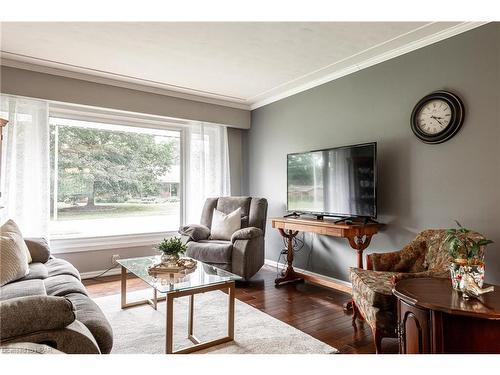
point(10, 227)
point(223, 226)
point(13, 257)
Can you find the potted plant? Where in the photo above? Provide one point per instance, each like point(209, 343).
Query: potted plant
point(171, 250)
point(466, 249)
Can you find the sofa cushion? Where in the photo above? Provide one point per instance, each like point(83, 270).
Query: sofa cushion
point(223, 226)
point(37, 271)
point(56, 267)
point(210, 251)
point(229, 204)
point(62, 285)
point(375, 287)
point(13, 253)
point(93, 318)
point(38, 248)
point(23, 288)
point(10, 227)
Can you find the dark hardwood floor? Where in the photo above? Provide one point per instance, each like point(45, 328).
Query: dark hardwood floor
point(313, 309)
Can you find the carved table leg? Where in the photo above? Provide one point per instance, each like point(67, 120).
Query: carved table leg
point(290, 275)
point(358, 243)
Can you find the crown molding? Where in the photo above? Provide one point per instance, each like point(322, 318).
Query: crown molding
point(428, 34)
point(365, 59)
point(70, 71)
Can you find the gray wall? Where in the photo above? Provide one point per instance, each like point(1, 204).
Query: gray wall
point(420, 186)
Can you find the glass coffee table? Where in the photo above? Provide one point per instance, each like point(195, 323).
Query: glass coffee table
point(203, 278)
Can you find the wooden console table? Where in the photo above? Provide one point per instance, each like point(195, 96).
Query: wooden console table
point(358, 234)
point(434, 318)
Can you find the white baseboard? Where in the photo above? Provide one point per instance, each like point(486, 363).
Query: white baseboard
point(111, 272)
point(272, 263)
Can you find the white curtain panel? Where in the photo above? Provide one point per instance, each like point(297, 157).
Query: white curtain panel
point(207, 167)
point(25, 169)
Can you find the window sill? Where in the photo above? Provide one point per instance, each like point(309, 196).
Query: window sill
point(83, 244)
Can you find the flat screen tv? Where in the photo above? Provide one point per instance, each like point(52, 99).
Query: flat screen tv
point(339, 181)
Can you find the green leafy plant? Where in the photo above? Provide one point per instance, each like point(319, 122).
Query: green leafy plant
point(172, 246)
point(462, 245)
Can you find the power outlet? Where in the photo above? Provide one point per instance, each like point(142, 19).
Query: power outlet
point(114, 258)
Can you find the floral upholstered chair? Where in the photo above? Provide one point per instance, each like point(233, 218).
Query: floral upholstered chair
point(372, 288)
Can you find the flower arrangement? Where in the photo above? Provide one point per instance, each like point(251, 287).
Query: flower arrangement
point(172, 247)
point(463, 247)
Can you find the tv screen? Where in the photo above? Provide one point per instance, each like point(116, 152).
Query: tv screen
point(334, 182)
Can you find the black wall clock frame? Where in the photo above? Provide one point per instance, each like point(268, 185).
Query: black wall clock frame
point(456, 121)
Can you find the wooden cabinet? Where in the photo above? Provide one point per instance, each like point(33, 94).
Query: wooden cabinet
point(413, 329)
point(434, 318)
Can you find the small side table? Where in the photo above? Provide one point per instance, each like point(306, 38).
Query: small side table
point(435, 318)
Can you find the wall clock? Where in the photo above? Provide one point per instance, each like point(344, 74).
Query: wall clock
point(437, 117)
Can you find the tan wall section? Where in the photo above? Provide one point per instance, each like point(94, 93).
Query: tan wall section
point(32, 84)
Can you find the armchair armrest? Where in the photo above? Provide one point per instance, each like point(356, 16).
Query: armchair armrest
point(23, 315)
point(39, 249)
point(195, 232)
point(246, 234)
point(248, 251)
point(441, 274)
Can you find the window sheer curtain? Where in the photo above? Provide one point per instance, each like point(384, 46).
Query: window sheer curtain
point(25, 172)
point(207, 167)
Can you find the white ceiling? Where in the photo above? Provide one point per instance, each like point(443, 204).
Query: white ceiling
point(239, 64)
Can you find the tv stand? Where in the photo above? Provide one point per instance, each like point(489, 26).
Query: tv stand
point(292, 214)
point(357, 233)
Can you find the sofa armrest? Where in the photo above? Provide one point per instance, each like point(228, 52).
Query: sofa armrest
point(72, 339)
point(23, 315)
point(195, 232)
point(443, 274)
point(39, 249)
point(246, 234)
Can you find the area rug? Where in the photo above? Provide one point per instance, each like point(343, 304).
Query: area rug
point(141, 329)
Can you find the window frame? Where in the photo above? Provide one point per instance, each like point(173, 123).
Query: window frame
point(61, 244)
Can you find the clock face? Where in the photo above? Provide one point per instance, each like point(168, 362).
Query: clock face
point(434, 117)
point(437, 117)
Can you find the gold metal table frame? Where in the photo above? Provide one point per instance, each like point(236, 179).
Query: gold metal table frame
point(169, 334)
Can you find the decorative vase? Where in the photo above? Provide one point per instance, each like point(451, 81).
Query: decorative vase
point(460, 268)
point(170, 259)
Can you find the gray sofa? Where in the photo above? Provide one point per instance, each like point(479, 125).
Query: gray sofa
point(51, 306)
point(244, 253)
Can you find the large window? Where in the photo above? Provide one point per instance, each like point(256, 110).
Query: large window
point(109, 179)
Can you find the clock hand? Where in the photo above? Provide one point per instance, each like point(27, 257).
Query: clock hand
point(436, 118)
